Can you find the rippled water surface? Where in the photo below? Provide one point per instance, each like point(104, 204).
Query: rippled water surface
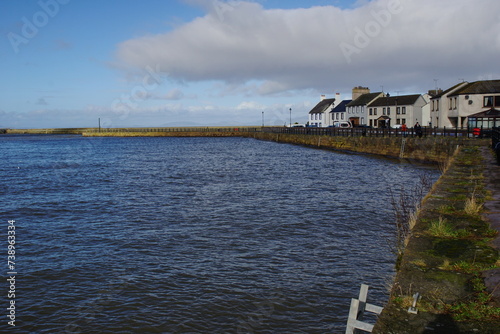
point(193, 235)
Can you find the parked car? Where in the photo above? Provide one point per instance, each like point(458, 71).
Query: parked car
point(342, 124)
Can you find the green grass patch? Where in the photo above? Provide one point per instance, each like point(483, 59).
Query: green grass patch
point(441, 228)
point(479, 308)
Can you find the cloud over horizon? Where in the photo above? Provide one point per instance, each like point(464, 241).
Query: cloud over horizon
point(401, 44)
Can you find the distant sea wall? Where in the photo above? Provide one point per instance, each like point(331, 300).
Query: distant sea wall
point(163, 134)
point(58, 131)
point(436, 149)
point(429, 149)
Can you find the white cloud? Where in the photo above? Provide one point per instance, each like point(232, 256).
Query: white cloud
point(41, 102)
point(174, 94)
point(395, 43)
point(246, 105)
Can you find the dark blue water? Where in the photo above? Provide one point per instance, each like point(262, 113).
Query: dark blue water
point(193, 235)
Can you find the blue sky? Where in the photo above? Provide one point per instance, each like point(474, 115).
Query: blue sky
point(66, 63)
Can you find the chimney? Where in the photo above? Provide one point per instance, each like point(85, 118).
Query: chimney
point(435, 92)
point(358, 91)
point(323, 97)
point(337, 99)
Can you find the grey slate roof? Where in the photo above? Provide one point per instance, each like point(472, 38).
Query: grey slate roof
point(446, 91)
point(479, 87)
point(322, 106)
point(364, 99)
point(493, 113)
point(342, 106)
point(403, 100)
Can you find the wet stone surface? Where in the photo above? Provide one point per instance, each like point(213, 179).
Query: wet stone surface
point(449, 269)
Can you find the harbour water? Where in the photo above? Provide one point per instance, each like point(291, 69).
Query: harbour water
point(193, 235)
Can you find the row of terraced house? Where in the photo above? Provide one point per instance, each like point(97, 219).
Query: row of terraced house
point(467, 104)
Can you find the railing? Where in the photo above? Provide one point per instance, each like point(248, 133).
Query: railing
point(346, 132)
point(495, 142)
point(371, 132)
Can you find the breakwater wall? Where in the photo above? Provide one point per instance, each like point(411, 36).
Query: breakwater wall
point(433, 148)
point(428, 149)
point(450, 259)
point(51, 131)
point(436, 145)
point(132, 133)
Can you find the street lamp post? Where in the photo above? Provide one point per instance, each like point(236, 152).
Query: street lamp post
point(290, 117)
point(262, 118)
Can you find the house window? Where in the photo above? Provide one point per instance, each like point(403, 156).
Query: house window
point(375, 112)
point(342, 116)
point(371, 122)
point(403, 120)
point(490, 101)
point(398, 121)
point(455, 103)
point(371, 111)
point(388, 111)
point(362, 120)
point(320, 116)
point(398, 110)
point(403, 110)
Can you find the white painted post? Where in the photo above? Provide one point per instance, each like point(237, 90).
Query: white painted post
point(353, 315)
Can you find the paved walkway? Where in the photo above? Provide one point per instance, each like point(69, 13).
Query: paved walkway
point(425, 265)
point(492, 213)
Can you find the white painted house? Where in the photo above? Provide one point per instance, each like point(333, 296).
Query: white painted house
point(440, 115)
point(319, 116)
point(339, 113)
point(472, 99)
point(387, 111)
point(357, 109)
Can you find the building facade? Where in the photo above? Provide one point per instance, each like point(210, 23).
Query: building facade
point(356, 110)
point(439, 107)
point(339, 113)
point(476, 98)
point(389, 111)
point(320, 114)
